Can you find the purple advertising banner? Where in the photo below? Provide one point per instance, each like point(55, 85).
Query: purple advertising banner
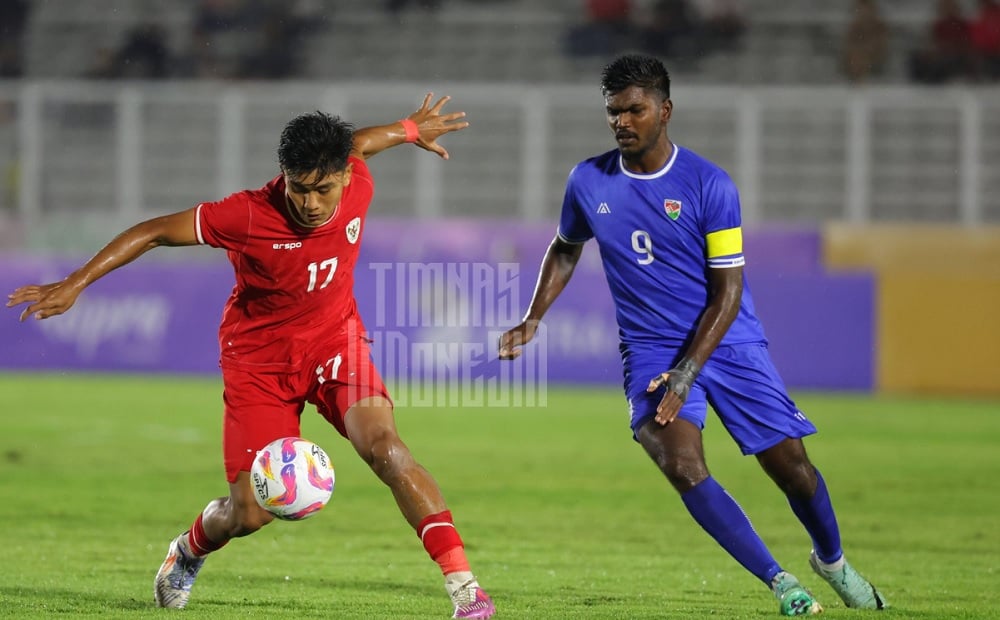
point(435, 297)
point(149, 316)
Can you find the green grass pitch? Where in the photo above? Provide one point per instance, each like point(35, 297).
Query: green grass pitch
point(563, 515)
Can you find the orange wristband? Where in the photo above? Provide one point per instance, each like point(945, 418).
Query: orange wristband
point(410, 127)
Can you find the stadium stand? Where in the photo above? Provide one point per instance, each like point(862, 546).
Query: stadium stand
point(521, 40)
point(505, 60)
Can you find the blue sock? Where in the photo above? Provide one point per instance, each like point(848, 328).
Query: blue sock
point(820, 521)
point(719, 514)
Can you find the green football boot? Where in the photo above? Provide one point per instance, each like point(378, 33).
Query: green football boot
point(856, 591)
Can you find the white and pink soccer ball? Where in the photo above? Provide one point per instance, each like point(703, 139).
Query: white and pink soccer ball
point(292, 478)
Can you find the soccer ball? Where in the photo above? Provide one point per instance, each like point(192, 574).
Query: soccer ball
point(292, 478)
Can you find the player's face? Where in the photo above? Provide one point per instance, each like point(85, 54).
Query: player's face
point(638, 119)
point(314, 199)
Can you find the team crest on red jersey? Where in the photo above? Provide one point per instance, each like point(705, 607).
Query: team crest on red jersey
point(672, 207)
point(353, 230)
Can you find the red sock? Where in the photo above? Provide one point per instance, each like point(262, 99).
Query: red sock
point(442, 542)
point(200, 543)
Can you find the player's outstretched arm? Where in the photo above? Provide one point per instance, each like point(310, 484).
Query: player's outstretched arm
point(47, 300)
point(557, 268)
point(428, 121)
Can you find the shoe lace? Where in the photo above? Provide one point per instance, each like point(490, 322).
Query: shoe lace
point(465, 594)
point(187, 568)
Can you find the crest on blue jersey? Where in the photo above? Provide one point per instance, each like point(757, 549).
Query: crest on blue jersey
point(672, 207)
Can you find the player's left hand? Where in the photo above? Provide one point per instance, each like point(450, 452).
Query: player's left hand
point(46, 299)
point(432, 124)
point(678, 382)
point(510, 342)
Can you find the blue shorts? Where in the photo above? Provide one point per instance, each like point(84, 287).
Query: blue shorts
point(739, 381)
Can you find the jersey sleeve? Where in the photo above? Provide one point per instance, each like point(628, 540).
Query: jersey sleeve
point(224, 224)
point(722, 222)
point(573, 225)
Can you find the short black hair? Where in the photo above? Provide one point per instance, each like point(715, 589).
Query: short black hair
point(635, 70)
point(315, 141)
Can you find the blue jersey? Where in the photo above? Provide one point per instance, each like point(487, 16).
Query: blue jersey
point(658, 235)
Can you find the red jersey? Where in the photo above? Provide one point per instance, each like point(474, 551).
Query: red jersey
point(294, 284)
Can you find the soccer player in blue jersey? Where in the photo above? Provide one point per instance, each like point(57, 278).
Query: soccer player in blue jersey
point(667, 223)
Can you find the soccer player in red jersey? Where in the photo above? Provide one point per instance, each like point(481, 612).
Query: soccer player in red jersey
point(291, 333)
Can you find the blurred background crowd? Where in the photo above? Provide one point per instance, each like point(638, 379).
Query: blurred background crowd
point(109, 103)
point(741, 41)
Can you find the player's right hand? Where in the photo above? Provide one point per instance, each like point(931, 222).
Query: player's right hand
point(678, 382)
point(46, 299)
point(511, 340)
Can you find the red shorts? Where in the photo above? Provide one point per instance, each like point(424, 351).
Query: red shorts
point(261, 407)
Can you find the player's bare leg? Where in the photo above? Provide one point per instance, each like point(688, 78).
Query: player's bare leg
point(223, 519)
point(789, 466)
point(237, 515)
point(371, 428)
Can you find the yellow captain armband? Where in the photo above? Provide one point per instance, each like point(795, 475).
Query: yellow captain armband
point(725, 247)
point(725, 242)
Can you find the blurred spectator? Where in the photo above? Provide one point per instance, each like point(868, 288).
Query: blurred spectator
point(947, 53)
point(272, 56)
point(217, 38)
point(144, 55)
point(606, 29)
point(865, 42)
point(985, 37)
point(215, 16)
point(13, 20)
point(250, 39)
point(609, 11)
point(396, 6)
point(722, 23)
point(673, 30)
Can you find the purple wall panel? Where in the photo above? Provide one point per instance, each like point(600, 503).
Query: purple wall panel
point(783, 250)
point(433, 291)
point(150, 316)
point(820, 327)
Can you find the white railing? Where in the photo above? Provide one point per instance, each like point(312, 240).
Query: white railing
point(83, 152)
